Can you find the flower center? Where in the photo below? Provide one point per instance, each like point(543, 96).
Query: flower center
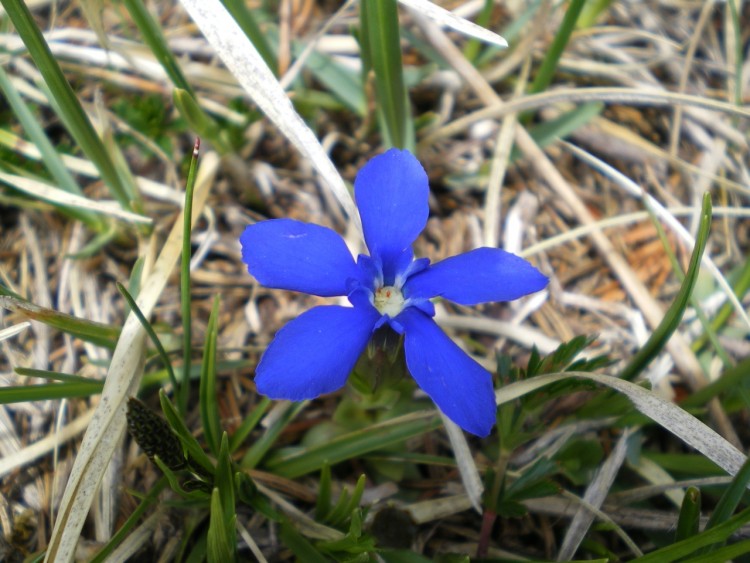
point(389, 300)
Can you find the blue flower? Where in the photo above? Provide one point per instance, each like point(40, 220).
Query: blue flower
point(315, 353)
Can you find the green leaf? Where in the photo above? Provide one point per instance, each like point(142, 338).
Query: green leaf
point(381, 40)
point(354, 444)
point(150, 331)
point(673, 316)
point(690, 515)
point(260, 448)
point(48, 391)
point(191, 445)
point(199, 121)
point(185, 302)
point(731, 498)
point(690, 546)
point(224, 478)
point(154, 38)
point(302, 548)
point(247, 22)
point(88, 331)
point(249, 424)
point(323, 502)
point(552, 57)
point(208, 401)
point(220, 547)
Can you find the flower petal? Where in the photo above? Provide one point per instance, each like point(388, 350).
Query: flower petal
point(479, 276)
point(391, 192)
point(288, 254)
point(314, 353)
point(460, 387)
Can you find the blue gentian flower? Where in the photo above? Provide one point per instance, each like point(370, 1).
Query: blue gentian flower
point(315, 353)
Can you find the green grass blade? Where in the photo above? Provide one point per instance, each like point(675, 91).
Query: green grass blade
point(354, 444)
point(546, 71)
point(65, 100)
point(56, 376)
point(258, 450)
point(690, 515)
point(154, 38)
point(741, 287)
point(729, 380)
point(690, 546)
point(247, 22)
point(249, 424)
point(185, 300)
point(88, 331)
point(190, 444)
point(220, 549)
point(303, 549)
point(731, 498)
point(48, 391)
point(208, 401)
point(323, 502)
point(722, 555)
point(150, 331)
point(225, 478)
point(381, 38)
point(674, 314)
point(198, 121)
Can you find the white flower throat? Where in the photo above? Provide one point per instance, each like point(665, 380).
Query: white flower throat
point(389, 300)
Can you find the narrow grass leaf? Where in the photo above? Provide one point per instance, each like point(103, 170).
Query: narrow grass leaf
point(729, 380)
point(302, 548)
point(741, 287)
point(380, 37)
point(65, 99)
point(198, 121)
point(561, 127)
point(546, 71)
point(55, 375)
point(323, 501)
point(249, 424)
point(731, 498)
point(722, 555)
point(150, 331)
point(88, 331)
point(247, 22)
point(260, 448)
point(220, 550)
point(689, 519)
point(673, 316)
point(354, 444)
point(48, 391)
point(154, 38)
point(192, 447)
point(185, 297)
point(209, 405)
point(224, 479)
point(690, 546)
